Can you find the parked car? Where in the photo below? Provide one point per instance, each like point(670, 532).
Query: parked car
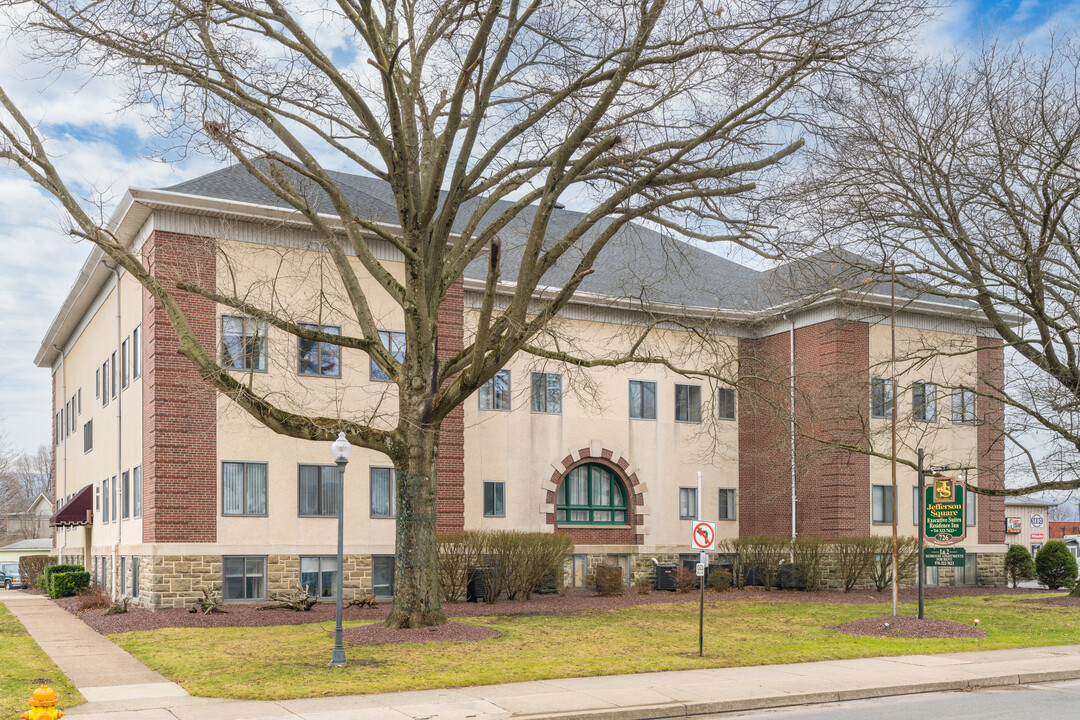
point(9, 575)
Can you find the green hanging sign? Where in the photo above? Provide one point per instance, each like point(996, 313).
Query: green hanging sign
point(943, 521)
point(944, 557)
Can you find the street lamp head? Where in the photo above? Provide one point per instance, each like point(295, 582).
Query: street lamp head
point(341, 449)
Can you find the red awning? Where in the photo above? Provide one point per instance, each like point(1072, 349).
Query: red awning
point(77, 511)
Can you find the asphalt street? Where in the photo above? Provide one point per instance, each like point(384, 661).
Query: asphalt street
point(1056, 701)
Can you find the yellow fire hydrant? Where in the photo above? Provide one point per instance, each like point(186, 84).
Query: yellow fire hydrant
point(43, 705)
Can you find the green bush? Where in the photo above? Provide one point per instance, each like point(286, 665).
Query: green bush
point(63, 584)
point(607, 580)
point(31, 567)
point(1019, 565)
point(1055, 566)
point(46, 575)
point(719, 580)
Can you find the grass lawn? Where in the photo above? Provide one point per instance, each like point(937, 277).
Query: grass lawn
point(22, 662)
point(291, 661)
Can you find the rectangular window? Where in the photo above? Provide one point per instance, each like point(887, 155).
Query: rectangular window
point(105, 383)
point(924, 401)
point(97, 382)
point(136, 490)
point(963, 406)
point(687, 403)
point(125, 366)
point(967, 575)
point(883, 504)
point(73, 415)
point(318, 490)
point(687, 503)
point(970, 508)
point(642, 400)
point(105, 500)
point(135, 576)
point(725, 404)
point(728, 508)
point(493, 499)
point(88, 435)
point(114, 490)
point(97, 498)
point(112, 376)
point(245, 578)
point(243, 343)
point(394, 342)
point(125, 496)
point(243, 488)
point(322, 359)
point(318, 575)
point(931, 577)
point(916, 506)
point(623, 563)
point(382, 575)
point(579, 571)
point(123, 575)
point(881, 397)
point(383, 493)
point(547, 393)
point(79, 396)
point(495, 393)
point(136, 353)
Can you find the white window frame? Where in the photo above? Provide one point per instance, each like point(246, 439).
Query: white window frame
point(688, 503)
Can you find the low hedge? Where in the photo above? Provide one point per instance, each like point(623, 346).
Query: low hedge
point(45, 581)
point(72, 582)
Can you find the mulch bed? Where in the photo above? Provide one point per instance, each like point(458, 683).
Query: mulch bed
point(908, 627)
point(378, 634)
point(572, 601)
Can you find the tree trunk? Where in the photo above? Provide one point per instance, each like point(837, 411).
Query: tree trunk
point(416, 572)
point(1075, 591)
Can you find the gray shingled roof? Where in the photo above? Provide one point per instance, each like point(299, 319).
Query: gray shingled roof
point(638, 263)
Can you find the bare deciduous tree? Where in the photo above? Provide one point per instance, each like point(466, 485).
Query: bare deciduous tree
point(479, 116)
point(966, 174)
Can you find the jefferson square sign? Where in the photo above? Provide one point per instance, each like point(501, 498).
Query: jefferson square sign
point(943, 522)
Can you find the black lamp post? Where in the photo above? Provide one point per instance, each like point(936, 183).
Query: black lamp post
point(341, 449)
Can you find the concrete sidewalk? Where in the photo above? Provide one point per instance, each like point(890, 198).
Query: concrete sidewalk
point(643, 696)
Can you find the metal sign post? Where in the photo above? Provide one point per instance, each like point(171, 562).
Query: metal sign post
point(922, 520)
point(703, 538)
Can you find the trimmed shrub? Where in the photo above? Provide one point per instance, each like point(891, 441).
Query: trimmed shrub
point(32, 566)
point(729, 549)
point(1055, 565)
point(685, 580)
point(458, 553)
point(504, 561)
point(50, 570)
point(762, 556)
point(880, 565)
point(853, 557)
point(1019, 565)
point(534, 557)
point(809, 555)
point(719, 580)
point(607, 580)
point(72, 582)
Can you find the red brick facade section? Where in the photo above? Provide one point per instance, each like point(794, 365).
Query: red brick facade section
point(832, 397)
point(602, 535)
point(450, 468)
point(1061, 528)
point(179, 407)
point(832, 403)
point(991, 440)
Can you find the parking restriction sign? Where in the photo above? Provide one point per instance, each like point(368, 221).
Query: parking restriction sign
point(704, 536)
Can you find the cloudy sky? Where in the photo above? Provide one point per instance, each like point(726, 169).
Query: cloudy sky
point(102, 151)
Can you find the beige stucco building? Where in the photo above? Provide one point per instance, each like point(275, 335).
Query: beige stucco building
point(168, 488)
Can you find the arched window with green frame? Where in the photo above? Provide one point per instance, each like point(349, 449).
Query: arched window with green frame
point(591, 495)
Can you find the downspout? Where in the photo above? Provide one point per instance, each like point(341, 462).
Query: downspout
point(63, 441)
point(119, 445)
point(791, 399)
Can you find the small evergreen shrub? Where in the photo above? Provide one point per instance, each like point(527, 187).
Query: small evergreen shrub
point(1055, 566)
point(46, 575)
point(1019, 565)
point(63, 584)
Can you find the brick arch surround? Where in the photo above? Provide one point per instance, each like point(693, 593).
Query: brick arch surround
point(627, 473)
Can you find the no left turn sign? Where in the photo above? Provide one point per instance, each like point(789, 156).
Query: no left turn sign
point(704, 536)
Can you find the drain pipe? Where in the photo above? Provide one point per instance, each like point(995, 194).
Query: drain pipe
point(62, 545)
point(791, 382)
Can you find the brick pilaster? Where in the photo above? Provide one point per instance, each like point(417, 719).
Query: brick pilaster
point(179, 407)
point(991, 440)
point(450, 469)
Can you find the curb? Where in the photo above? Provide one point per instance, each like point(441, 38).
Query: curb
point(685, 709)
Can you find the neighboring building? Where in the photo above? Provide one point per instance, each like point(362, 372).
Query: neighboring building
point(33, 546)
point(33, 522)
point(1027, 522)
point(166, 488)
point(1061, 528)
